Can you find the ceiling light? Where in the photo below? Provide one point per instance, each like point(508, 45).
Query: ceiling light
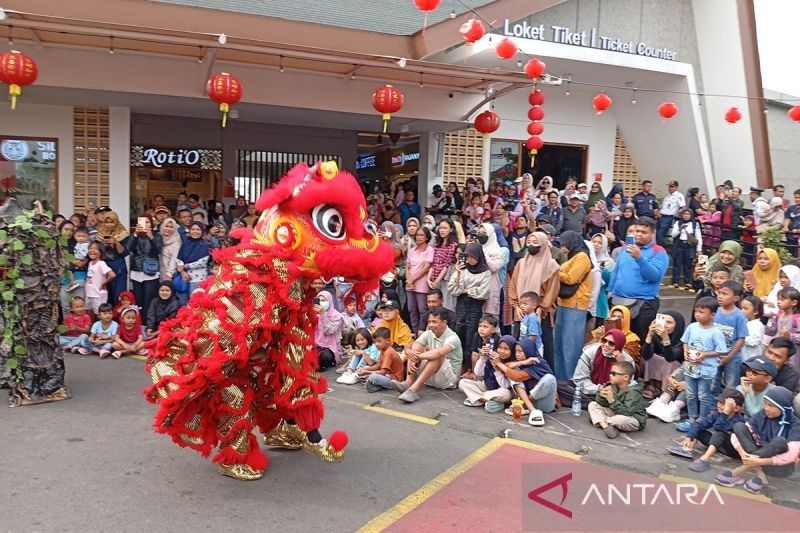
point(111, 45)
point(10, 37)
point(280, 65)
point(402, 62)
point(633, 98)
point(222, 39)
point(519, 63)
point(700, 100)
point(420, 81)
point(200, 57)
point(2, 14)
point(453, 13)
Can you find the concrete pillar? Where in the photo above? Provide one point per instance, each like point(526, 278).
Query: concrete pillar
point(119, 170)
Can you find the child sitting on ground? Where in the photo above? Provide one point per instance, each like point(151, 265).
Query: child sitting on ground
point(78, 324)
point(125, 300)
point(129, 339)
point(530, 327)
point(162, 308)
point(389, 368)
point(619, 405)
point(668, 406)
point(703, 343)
point(759, 377)
point(493, 391)
point(364, 355)
point(352, 321)
point(714, 431)
point(769, 443)
point(753, 309)
point(487, 339)
point(80, 252)
point(101, 334)
point(533, 381)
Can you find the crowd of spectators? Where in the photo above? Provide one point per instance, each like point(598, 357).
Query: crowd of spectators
point(524, 297)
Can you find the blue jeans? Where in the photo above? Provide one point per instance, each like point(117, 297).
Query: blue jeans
point(662, 228)
point(727, 376)
point(70, 342)
point(568, 341)
point(543, 394)
point(699, 400)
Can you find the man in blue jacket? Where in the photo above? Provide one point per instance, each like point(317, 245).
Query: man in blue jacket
point(637, 277)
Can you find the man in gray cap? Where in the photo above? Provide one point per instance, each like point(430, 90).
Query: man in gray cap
point(760, 205)
point(555, 250)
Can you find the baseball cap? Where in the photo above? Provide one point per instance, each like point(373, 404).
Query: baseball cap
point(162, 209)
point(391, 305)
point(672, 183)
point(548, 229)
point(508, 183)
point(763, 364)
point(575, 196)
point(584, 185)
point(437, 187)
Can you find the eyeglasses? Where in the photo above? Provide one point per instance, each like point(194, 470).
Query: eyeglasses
point(615, 373)
point(610, 342)
point(756, 372)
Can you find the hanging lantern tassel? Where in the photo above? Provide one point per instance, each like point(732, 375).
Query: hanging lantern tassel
point(386, 118)
point(534, 144)
point(17, 70)
point(14, 91)
point(224, 108)
point(387, 100)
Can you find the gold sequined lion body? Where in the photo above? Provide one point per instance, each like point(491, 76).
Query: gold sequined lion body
point(241, 354)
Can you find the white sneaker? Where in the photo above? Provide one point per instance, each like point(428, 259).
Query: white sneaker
point(670, 413)
point(656, 408)
point(348, 378)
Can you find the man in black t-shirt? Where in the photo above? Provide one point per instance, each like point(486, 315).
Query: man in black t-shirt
point(791, 224)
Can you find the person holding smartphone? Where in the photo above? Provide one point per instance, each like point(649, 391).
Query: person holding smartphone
point(145, 249)
point(116, 241)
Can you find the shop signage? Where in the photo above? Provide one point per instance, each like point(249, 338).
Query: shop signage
point(18, 150)
point(367, 161)
point(159, 158)
point(586, 38)
point(399, 158)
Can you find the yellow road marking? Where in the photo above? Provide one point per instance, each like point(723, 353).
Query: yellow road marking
point(417, 498)
point(727, 490)
point(401, 414)
point(139, 357)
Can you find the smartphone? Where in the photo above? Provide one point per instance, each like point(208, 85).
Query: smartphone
point(629, 240)
point(661, 320)
point(702, 259)
point(611, 323)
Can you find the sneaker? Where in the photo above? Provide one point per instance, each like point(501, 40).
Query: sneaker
point(683, 426)
point(680, 451)
point(409, 396)
point(727, 479)
point(670, 413)
point(536, 418)
point(611, 432)
point(83, 351)
point(656, 409)
point(72, 286)
point(342, 369)
point(74, 349)
point(689, 288)
point(116, 354)
point(754, 485)
point(103, 354)
point(399, 386)
point(699, 465)
point(350, 378)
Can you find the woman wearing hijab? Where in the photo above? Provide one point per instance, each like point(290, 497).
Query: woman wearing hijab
point(662, 352)
point(145, 248)
point(328, 334)
point(618, 188)
point(537, 272)
point(470, 285)
point(573, 303)
point(170, 246)
point(593, 367)
point(116, 239)
point(458, 199)
point(194, 257)
point(162, 308)
point(768, 443)
point(764, 274)
point(496, 259)
point(596, 194)
point(546, 185)
point(598, 219)
point(491, 388)
point(400, 333)
point(409, 239)
point(622, 314)
point(726, 258)
point(621, 225)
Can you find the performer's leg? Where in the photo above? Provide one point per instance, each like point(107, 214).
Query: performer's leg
point(239, 453)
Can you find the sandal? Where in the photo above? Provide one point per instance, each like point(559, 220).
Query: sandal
point(699, 465)
point(536, 418)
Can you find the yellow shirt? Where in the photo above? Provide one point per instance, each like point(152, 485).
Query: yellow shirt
point(577, 270)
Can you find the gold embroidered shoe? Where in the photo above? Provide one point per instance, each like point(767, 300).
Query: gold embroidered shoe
point(286, 436)
point(240, 471)
point(324, 451)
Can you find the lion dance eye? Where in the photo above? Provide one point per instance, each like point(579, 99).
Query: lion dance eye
point(371, 228)
point(329, 222)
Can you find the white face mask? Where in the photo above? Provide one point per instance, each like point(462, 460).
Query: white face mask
point(388, 277)
point(325, 304)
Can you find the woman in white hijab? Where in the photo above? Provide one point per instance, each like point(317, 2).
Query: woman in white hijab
point(789, 276)
point(497, 259)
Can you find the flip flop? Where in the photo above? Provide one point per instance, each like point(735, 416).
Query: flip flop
point(536, 418)
point(680, 451)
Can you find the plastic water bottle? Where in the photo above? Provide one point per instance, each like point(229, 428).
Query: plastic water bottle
point(576, 402)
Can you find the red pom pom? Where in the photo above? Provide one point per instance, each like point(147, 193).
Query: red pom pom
point(338, 440)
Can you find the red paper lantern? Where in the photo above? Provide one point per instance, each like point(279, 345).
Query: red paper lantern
point(487, 122)
point(535, 128)
point(535, 68)
point(534, 144)
point(472, 30)
point(733, 115)
point(506, 49)
point(225, 90)
point(387, 100)
point(502, 173)
point(535, 113)
point(794, 113)
point(17, 70)
point(536, 97)
point(601, 102)
point(427, 5)
point(668, 110)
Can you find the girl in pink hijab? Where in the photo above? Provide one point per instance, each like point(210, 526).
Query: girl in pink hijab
point(329, 330)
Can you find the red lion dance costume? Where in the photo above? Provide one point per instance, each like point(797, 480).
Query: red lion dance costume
point(241, 355)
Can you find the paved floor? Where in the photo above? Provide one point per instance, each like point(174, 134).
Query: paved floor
point(92, 463)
